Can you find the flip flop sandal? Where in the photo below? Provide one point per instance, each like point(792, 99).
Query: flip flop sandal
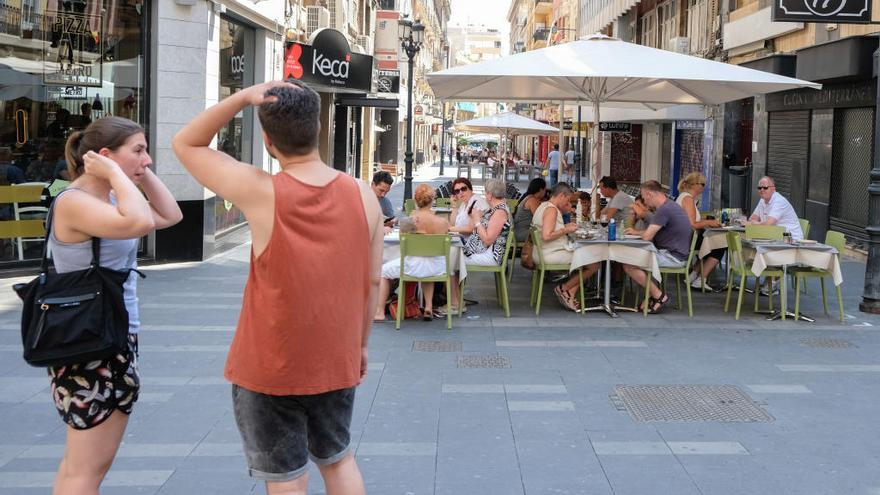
point(658, 304)
point(565, 299)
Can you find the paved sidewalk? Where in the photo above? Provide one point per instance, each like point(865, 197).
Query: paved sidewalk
point(554, 409)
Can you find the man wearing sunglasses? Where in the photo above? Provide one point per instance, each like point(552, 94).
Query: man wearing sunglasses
point(774, 209)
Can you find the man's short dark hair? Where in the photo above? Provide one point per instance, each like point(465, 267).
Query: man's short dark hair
point(608, 182)
point(292, 122)
point(555, 146)
point(561, 188)
point(653, 186)
point(382, 176)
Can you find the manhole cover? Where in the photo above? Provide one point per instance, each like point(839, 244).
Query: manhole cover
point(828, 343)
point(688, 403)
point(436, 346)
point(492, 361)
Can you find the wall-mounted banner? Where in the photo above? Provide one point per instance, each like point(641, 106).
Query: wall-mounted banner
point(615, 126)
point(833, 11)
point(328, 61)
point(72, 49)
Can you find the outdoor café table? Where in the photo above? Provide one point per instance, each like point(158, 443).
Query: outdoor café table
point(630, 251)
point(716, 238)
point(391, 251)
point(776, 253)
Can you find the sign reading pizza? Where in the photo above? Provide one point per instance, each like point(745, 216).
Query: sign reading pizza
point(832, 11)
point(328, 61)
point(72, 51)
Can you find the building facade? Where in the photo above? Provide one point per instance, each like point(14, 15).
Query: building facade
point(160, 63)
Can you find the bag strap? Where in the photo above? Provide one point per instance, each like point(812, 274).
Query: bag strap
point(44, 261)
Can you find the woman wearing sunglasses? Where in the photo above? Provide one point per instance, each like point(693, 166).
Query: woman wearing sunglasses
point(690, 188)
point(467, 202)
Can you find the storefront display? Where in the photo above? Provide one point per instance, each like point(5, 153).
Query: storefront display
point(235, 138)
point(62, 65)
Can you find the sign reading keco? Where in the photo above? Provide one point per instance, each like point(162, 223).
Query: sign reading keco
point(328, 61)
point(831, 11)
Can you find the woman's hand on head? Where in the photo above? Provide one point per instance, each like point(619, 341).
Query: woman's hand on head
point(100, 166)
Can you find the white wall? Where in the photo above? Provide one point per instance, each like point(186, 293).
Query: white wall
point(651, 147)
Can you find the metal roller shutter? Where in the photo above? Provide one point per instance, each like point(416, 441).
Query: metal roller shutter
point(852, 159)
point(789, 145)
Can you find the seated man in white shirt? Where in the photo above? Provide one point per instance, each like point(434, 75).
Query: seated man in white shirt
point(774, 209)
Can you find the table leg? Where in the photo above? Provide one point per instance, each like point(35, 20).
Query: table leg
point(606, 306)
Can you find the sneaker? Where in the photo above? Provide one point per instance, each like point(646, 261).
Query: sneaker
point(765, 291)
point(698, 284)
point(691, 277)
point(442, 310)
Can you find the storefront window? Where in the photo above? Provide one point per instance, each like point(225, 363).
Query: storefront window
point(235, 138)
point(63, 64)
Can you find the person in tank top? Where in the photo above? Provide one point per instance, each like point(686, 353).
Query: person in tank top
point(300, 347)
point(107, 161)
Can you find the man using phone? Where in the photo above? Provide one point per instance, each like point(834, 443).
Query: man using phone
point(381, 184)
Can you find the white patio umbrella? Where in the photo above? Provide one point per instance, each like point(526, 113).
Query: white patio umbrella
point(507, 124)
point(481, 138)
point(606, 71)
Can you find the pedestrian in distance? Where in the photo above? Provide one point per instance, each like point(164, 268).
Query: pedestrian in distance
point(300, 348)
point(116, 197)
point(552, 166)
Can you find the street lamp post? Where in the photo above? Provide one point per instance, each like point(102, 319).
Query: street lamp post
point(410, 34)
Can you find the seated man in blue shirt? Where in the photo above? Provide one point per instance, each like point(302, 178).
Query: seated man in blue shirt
point(670, 230)
point(381, 184)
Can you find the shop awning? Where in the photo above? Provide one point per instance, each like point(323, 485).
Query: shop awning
point(368, 101)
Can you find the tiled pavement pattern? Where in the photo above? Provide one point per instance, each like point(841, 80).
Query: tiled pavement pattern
point(546, 424)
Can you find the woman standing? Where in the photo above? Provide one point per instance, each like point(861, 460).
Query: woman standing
point(690, 188)
point(107, 161)
point(525, 209)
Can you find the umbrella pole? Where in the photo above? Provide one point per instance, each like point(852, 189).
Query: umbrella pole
point(597, 160)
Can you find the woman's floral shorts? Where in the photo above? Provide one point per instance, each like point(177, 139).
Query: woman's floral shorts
point(86, 394)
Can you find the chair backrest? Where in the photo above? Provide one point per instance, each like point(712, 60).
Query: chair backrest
point(11, 229)
point(805, 227)
point(836, 240)
point(509, 244)
point(734, 249)
point(408, 206)
point(537, 245)
point(690, 259)
point(424, 245)
point(774, 232)
point(443, 202)
point(511, 205)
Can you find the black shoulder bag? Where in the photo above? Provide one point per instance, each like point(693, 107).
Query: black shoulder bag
point(73, 317)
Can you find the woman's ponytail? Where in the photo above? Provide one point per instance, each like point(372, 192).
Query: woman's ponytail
point(73, 155)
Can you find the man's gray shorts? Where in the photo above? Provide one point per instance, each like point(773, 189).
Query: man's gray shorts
point(665, 259)
point(281, 433)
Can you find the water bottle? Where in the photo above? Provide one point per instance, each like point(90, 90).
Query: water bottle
point(724, 218)
point(612, 230)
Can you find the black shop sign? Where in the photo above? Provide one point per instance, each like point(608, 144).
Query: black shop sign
point(615, 126)
point(832, 11)
point(328, 61)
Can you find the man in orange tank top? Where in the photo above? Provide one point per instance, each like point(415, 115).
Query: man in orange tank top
point(300, 347)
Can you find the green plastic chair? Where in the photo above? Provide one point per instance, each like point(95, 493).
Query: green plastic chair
point(500, 277)
point(409, 205)
point(738, 266)
point(805, 227)
point(773, 232)
point(837, 241)
point(512, 261)
point(511, 205)
point(443, 202)
point(541, 268)
point(424, 245)
point(682, 274)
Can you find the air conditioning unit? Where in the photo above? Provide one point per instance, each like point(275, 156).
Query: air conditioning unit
point(338, 14)
point(681, 45)
point(367, 43)
point(317, 18)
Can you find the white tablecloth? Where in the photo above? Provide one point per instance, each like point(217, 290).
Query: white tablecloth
point(819, 256)
point(715, 238)
point(631, 252)
point(456, 259)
